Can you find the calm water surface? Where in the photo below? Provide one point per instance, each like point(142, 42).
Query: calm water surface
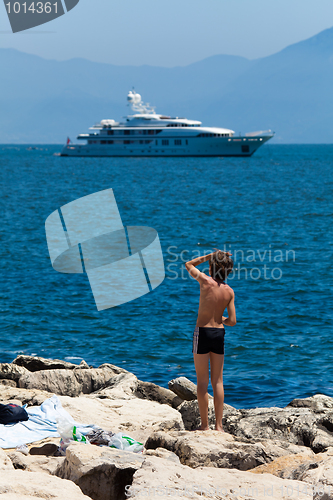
point(273, 211)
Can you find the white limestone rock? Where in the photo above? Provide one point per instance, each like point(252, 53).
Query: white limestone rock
point(23, 485)
point(136, 417)
point(102, 473)
point(216, 449)
point(5, 462)
point(160, 478)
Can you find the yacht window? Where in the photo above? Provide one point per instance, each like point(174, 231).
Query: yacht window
point(127, 142)
point(126, 132)
point(186, 142)
point(178, 142)
point(110, 142)
point(165, 142)
point(245, 149)
point(156, 142)
point(151, 132)
point(110, 132)
point(103, 142)
point(147, 142)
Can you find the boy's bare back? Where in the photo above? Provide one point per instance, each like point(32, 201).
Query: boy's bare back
point(214, 299)
point(215, 294)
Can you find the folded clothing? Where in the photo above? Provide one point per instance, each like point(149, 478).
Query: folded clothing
point(99, 436)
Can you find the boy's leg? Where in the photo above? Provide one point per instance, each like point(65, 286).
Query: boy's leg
point(202, 370)
point(216, 375)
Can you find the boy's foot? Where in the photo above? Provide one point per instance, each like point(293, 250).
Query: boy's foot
point(201, 428)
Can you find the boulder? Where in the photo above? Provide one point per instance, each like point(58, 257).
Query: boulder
point(285, 466)
point(5, 462)
point(318, 403)
point(163, 453)
point(125, 385)
point(120, 386)
point(153, 392)
point(33, 463)
point(276, 449)
point(15, 395)
point(68, 382)
point(319, 473)
point(136, 417)
point(299, 425)
point(54, 381)
point(321, 438)
point(21, 485)
point(189, 411)
point(214, 449)
point(160, 478)
point(9, 371)
point(102, 473)
point(35, 364)
point(316, 470)
point(184, 388)
point(9, 383)
point(114, 368)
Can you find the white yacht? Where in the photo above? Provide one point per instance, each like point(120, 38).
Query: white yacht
point(146, 133)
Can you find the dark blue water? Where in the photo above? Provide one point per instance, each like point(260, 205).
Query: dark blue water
point(274, 211)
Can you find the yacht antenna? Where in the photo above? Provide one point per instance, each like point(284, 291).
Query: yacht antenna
point(135, 101)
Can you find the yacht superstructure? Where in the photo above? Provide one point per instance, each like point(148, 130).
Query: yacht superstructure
point(146, 133)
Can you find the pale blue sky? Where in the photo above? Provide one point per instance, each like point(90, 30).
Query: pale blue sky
point(171, 32)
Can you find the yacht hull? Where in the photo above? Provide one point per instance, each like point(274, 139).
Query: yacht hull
point(195, 147)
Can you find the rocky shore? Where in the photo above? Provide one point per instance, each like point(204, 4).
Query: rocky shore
point(265, 453)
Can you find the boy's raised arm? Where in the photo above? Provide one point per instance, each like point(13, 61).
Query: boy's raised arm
point(192, 264)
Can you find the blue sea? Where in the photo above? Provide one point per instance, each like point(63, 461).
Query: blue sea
point(273, 211)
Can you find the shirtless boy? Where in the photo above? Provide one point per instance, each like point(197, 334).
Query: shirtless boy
point(208, 337)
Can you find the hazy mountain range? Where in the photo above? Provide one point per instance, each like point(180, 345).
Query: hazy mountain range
point(291, 92)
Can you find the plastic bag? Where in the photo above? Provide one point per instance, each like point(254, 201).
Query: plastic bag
point(123, 442)
point(68, 433)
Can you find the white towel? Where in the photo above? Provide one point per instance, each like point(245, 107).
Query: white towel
point(42, 424)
